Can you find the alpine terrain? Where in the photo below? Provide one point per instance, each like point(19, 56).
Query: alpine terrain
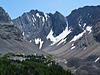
point(73, 40)
point(11, 38)
point(74, 35)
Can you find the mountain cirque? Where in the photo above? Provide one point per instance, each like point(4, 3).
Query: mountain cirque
point(61, 36)
point(72, 40)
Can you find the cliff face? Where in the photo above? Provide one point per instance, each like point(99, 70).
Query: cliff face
point(7, 28)
point(4, 17)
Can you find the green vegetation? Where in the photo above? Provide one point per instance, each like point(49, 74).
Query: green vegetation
point(11, 64)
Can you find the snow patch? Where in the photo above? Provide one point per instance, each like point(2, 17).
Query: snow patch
point(89, 28)
point(73, 47)
point(37, 14)
point(33, 25)
point(33, 15)
point(58, 38)
point(50, 36)
point(79, 24)
point(35, 54)
point(97, 59)
point(84, 48)
point(84, 25)
point(46, 16)
point(72, 44)
point(30, 41)
point(63, 40)
point(95, 67)
point(43, 19)
point(75, 70)
point(39, 41)
point(33, 19)
point(76, 37)
point(23, 33)
point(45, 56)
point(65, 61)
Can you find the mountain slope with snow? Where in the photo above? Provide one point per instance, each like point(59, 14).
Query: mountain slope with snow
point(50, 32)
point(11, 38)
point(46, 29)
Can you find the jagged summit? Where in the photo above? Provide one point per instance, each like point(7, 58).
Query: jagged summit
point(36, 26)
point(7, 28)
point(4, 17)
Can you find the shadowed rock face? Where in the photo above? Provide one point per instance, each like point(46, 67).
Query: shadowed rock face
point(10, 32)
point(87, 14)
point(80, 18)
point(7, 28)
point(58, 23)
point(96, 31)
point(4, 17)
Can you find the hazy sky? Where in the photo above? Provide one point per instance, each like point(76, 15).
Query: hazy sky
point(15, 8)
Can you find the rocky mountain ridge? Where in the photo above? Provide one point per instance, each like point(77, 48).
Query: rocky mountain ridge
point(45, 30)
point(76, 35)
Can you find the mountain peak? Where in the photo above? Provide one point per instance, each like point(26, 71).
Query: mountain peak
point(4, 17)
point(34, 10)
point(57, 12)
point(1, 9)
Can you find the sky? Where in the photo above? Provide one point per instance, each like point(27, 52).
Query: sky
point(16, 8)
